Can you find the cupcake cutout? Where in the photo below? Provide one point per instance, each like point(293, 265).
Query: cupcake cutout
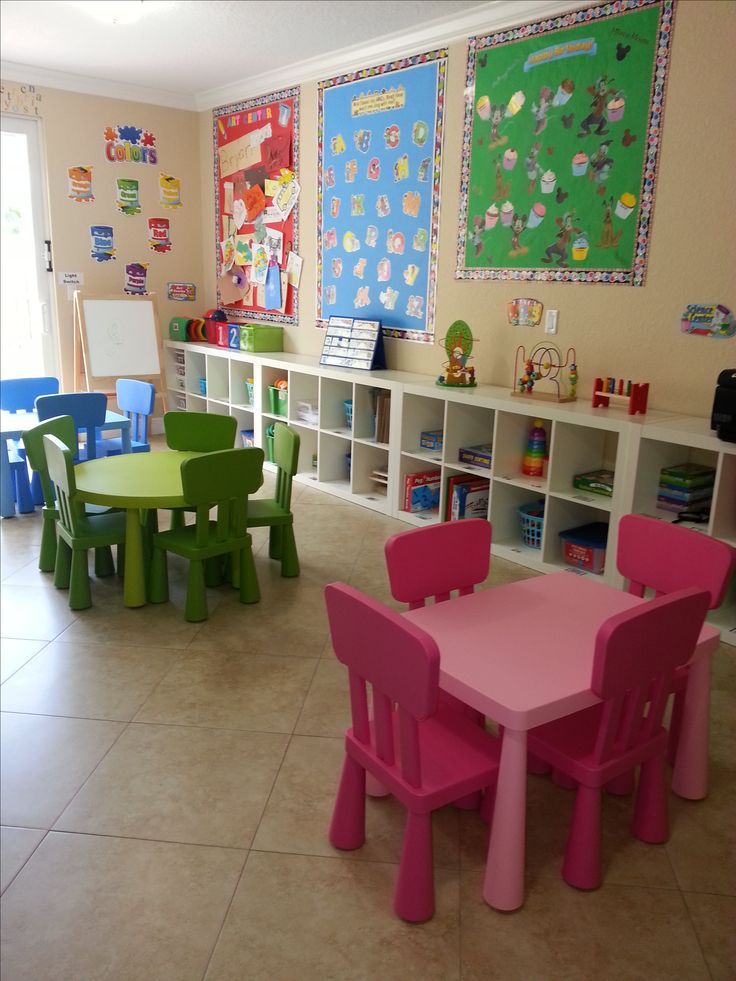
point(579, 164)
point(615, 109)
point(580, 248)
point(483, 107)
point(548, 181)
point(516, 102)
point(625, 205)
point(492, 216)
point(564, 92)
point(509, 159)
point(536, 215)
point(507, 213)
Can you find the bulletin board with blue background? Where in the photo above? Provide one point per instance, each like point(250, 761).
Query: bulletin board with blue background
point(379, 167)
point(256, 159)
point(563, 123)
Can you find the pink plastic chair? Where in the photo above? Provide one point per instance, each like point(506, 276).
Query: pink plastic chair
point(436, 561)
point(664, 557)
point(636, 654)
point(424, 760)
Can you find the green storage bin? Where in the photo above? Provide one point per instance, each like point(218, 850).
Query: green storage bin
point(278, 399)
point(178, 328)
point(268, 448)
point(257, 337)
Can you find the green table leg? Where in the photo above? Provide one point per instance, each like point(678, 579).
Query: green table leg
point(134, 584)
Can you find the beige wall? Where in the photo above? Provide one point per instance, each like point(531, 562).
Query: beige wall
point(616, 330)
point(73, 127)
point(619, 331)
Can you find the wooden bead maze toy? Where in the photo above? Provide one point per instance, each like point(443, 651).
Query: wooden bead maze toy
point(545, 364)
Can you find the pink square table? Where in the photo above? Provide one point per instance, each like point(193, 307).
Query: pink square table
point(523, 654)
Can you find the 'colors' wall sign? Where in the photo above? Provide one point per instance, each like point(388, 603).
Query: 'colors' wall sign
point(130, 144)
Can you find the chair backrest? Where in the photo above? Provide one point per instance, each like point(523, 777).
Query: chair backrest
point(224, 478)
point(400, 662)
point(61, 470)
point(21, 393)
point(435, 560)
point(286, 457)
point(636, 653)
point(87, 409)
point(63, 428)
point(199, 432)
point(665, 557)
point(136, 398)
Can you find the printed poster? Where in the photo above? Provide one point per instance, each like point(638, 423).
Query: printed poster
point(256, 151)
point(563, 122)
point(379, 166)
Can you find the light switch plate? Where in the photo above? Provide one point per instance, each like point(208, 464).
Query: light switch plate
point(550, 323)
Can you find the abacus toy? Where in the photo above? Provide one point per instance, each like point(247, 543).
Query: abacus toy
point(635, 394)
point(545, 364)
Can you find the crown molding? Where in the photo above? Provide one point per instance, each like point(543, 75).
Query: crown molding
point(51, 79)
point(483, 19)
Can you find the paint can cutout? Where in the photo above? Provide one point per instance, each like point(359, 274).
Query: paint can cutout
point(128, 202)
point(169, 189)
point(135, 277)
point(102, 243)
point(158, 235)
point(80, 184)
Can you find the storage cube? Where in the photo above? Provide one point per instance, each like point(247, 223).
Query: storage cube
point(257, 337)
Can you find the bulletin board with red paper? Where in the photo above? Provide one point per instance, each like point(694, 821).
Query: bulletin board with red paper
point(256, 159)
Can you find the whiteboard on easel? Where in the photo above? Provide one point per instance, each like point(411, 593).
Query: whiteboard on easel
point(120, 336)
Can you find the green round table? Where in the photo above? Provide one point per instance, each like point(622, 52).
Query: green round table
point(137, 482)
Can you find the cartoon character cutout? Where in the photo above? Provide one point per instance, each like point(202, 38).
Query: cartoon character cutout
point(533, 168)
point(362, 297)
point(331, 295)
point(335, 207)
point(371, 236)
point(410, 203)
point(383, 206)
point(600, 166)
point(351, 169)
point(497, 117)
point(350, 243)
point(596, 118)
point(330, 238)
point(391, 136)
point(388, 298)
point(401, 168)
point(330, 177)
point(502, 187)
point(359, 268)
point(414, 307)
point(419, 132)
point(518, 224)
point(609, 239)
point(476, 236)
point(357, 205)
point(410, 274)
point(423, 172)
point(337, 145)
point(362, 138)
point(395, 242)
point(419, 242)
point(540, 111)
point(383, 270)
point(337, 268)
point(374, 169)
point(558, 249)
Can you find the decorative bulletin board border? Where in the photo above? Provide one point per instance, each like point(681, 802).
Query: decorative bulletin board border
point(229, 124)
point(378, 190)
point(563, 121)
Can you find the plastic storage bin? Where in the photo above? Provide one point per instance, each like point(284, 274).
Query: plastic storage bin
point(278, 399)
point(249, 391)
point(585, 547)
point(532, 523)
point(269, 443)
point(247, 437)
point(202, 386)
point(348, 405)
point(255, 337)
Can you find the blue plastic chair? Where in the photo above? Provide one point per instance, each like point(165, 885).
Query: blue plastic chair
point(135, 398)
point(87, 409)
point(19, 395)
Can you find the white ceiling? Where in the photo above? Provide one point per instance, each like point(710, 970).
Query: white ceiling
point(196, 54)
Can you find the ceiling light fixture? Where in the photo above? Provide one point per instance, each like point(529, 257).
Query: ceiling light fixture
point(121, 11)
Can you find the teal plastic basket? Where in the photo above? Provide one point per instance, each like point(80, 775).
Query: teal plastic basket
point(532, 523)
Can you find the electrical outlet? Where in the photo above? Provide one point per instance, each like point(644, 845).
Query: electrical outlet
point(550, 323)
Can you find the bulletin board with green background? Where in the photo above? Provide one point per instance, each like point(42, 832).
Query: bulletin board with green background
point(256, 156)
point(562, 131)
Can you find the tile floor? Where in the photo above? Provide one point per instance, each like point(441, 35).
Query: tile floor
point(166, 790)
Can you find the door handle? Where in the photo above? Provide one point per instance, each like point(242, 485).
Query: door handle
point(45, 323)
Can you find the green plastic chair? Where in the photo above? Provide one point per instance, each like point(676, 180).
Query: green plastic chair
point(77, 532)
point(224, 480)
point(199, 432)
point(64, 429)
point(275, 513)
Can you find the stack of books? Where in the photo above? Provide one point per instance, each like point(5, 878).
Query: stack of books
point(467, 497)
point(383, 415)
point(422, 490)
point(686, 487)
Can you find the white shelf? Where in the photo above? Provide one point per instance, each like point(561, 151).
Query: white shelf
point(579, 439)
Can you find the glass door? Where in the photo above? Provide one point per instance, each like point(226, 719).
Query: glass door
point(27, 332)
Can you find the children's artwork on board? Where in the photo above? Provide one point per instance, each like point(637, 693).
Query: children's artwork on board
point(379, 165)
point(256, 154)
point(563, 123)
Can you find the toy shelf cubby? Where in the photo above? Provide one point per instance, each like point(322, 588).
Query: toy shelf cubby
point(579, 439)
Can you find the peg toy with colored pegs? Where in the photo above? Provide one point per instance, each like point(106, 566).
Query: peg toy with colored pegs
point(634, 394)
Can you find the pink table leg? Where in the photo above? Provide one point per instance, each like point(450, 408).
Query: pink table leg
point(690, 774)
point(504, 880)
